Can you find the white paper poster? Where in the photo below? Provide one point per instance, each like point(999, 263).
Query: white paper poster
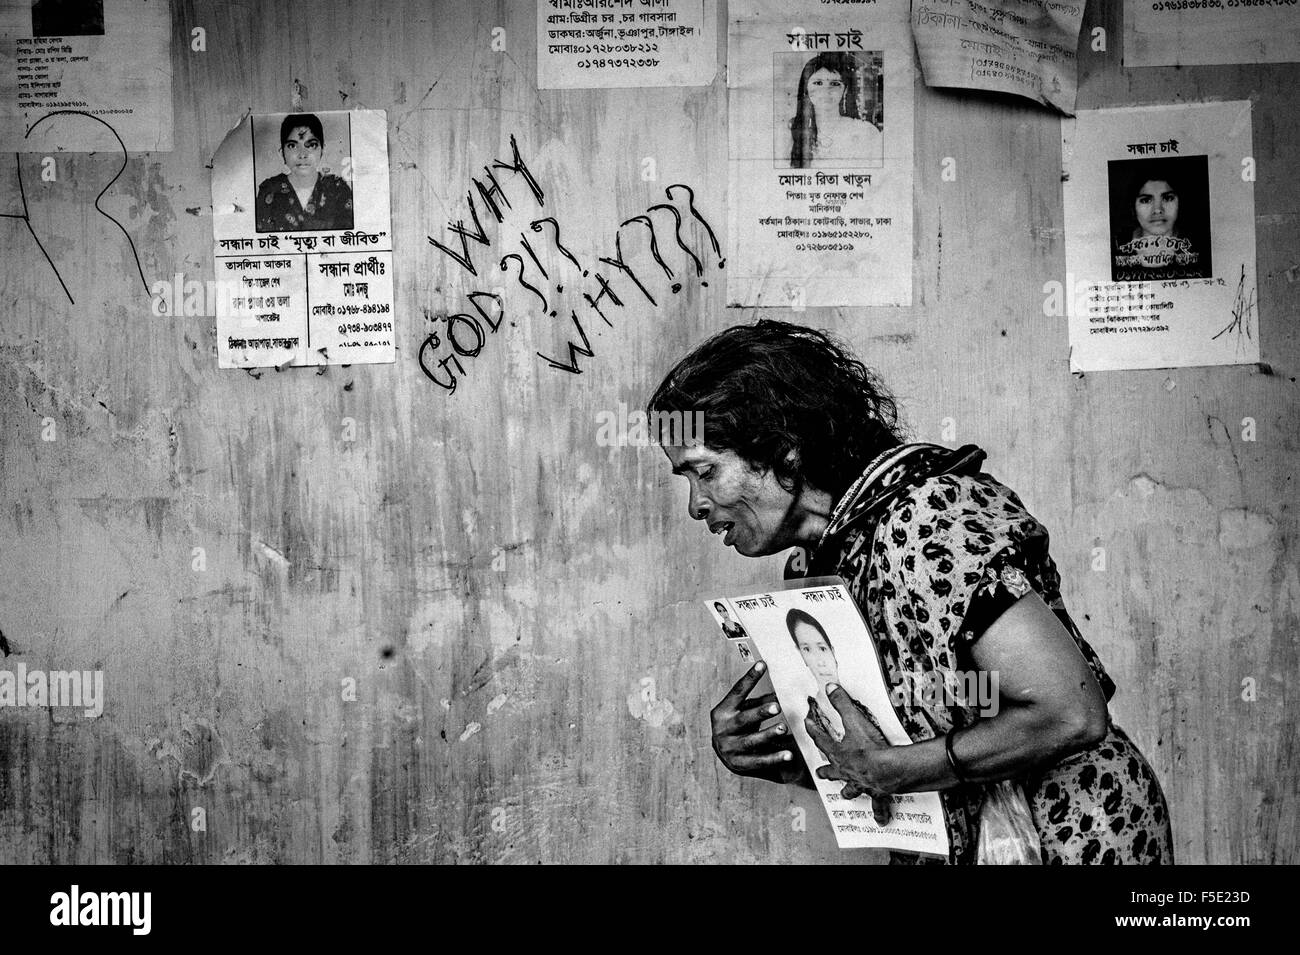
point(107, 59)
point(820, 136)
point(602, 44)
point(809, 637)
point(1025, 47)
point(1200, 32)
point(1160, 237)
point(303, 240)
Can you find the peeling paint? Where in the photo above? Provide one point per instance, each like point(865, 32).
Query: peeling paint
point(271, 554)
point(644, 705)
point(1240, 529)
point(470, 730)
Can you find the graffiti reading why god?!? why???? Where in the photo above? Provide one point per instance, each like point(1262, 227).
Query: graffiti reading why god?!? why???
point(525, 268)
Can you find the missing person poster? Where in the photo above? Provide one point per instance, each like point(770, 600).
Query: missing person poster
point(1024, 47)
point(603, 44)
point(820, 147)
point(1160, 237)
point(1203, 32)
point(106, 59)
point(809, 637)
point(303, 240)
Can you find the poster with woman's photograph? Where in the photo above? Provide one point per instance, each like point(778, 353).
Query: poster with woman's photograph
point(819, 136)
point(829, 109)
point(77, 75)
point(1159, 237)
point(1160, 219)
point(813, 637)
point(304, 254)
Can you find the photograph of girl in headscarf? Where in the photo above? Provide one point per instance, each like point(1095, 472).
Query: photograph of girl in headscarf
point(306, 196)
point(829, 110)
point(1159, 216)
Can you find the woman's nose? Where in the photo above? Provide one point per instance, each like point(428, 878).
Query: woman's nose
point(696, 507)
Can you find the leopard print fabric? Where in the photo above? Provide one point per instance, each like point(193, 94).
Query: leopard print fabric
point(931, 569)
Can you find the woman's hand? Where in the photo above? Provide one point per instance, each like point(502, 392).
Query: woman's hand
point(745, 749)
point(855, 760)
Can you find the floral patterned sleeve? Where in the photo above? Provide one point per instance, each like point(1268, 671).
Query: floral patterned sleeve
point(949, 555)
point(1006, 576)
point(965, 549)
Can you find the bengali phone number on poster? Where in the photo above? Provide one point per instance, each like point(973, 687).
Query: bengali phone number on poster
point(370, 308)
point(617, 62)
point(1169, 5)
point(624, 48)
point(355, 328)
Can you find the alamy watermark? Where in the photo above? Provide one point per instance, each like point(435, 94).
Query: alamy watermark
point(75, 688)
point(976, 689)
point(75, 907)
point(638, 429)
point(248, 298)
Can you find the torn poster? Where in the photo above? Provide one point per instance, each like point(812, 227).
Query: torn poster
point(303, 240)
point(820, 149)
point(1203, 32)
point(604, 44)
point(62, 63)
point(811, 636)
point(1025, 47)
point(1160, 237)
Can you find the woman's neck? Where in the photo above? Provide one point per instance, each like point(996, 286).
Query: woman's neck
point(814, 510)
point(832, 501)
point(301, 184)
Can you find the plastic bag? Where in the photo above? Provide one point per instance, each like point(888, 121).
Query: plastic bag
point(1008, 835)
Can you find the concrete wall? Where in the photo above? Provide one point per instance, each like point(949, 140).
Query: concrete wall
point(516, 604)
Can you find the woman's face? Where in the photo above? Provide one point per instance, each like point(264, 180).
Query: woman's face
point(818, 657)
point(1156, 207)
point(748, 507)
point(301, 150)
point(826, 91)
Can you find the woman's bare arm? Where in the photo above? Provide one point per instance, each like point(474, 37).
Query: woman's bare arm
point(1050, 707)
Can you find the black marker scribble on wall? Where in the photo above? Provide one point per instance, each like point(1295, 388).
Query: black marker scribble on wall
point(25, 215)
point(1243, 311)
point(488, 198)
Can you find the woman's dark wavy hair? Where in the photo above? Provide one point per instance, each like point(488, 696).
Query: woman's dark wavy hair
point(797, 616)
point(772, 388)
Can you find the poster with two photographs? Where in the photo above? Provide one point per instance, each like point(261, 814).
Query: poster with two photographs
point(812, 635)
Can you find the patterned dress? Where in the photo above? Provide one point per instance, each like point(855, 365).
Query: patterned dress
point(934, 550)
point(329, 207)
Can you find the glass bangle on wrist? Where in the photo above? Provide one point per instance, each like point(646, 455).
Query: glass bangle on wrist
point(952, 758)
